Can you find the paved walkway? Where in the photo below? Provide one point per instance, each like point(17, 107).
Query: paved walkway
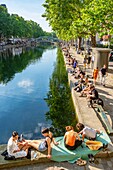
point(106, 93)
point(100, 164)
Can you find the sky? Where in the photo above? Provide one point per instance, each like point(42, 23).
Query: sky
point(29, 10)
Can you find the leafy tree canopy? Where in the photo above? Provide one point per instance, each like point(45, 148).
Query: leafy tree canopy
point(16, 26)
point(75, 18)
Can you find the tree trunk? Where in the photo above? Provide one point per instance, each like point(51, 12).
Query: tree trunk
point(79, 43)
point(93, 40)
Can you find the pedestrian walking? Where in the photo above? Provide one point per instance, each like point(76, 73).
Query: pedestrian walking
point(88, 61)
point(103, 74)
point(95, 75)
point(92, 61)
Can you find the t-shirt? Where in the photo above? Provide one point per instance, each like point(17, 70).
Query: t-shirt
point(89, 59)
point(11, 146)
point(89, 132)
point(74, 64)
point(103, 71)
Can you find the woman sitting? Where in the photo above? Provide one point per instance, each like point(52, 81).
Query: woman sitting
point(46, 144)
point(14, 149)
point(86, 90)
point(71, 138)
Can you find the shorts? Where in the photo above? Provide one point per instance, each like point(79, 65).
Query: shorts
point(20, 154)
point(42, 147)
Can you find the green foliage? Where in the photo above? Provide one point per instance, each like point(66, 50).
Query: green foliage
point(16, 26)
point(98, 16)
point(79, 18)
point(61, 110)
point(5, 23)
point(13, 65)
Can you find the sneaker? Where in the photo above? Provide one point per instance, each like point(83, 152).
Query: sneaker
point(33, 155)
point(105, 145)
point(91, 158)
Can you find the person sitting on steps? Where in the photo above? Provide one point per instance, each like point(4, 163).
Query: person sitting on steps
point(71, 138)
point(92, 95)
point(87, 132)
point(46, 144)
point(14, 149)
point(86, 90)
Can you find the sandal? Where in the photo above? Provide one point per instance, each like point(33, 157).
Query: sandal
point(78, 161)
point(81, 162)
point(91, 158)
point(105, 145)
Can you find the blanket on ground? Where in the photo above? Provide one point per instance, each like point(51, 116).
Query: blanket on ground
point(61, 153)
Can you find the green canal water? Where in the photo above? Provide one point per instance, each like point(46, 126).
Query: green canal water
point(24, 83)
point(34, 92)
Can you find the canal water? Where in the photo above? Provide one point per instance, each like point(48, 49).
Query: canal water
point(24, 83)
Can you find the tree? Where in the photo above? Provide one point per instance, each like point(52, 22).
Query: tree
point(65, 18)
point(5, 23)
point(16, 26)
point(98, 17)
point(79, 18)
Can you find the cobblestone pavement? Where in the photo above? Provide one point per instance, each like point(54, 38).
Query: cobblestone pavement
point(106, 93)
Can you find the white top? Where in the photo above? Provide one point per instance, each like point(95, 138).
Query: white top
point(89, 132)
point(11, 146)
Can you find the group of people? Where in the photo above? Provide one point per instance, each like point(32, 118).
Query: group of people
point(72, 140)
point(86, 88)
point(19, 149)
point(83, 84)
point(88, 59)
point(103, 74)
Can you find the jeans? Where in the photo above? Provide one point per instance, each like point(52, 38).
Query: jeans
point(102, 79)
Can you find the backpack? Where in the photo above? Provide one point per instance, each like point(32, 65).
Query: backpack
point(9, 157)
point(6, 156)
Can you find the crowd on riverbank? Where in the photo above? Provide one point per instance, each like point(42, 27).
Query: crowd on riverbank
point(83, 85)
point(81, 75)
point(82, 82)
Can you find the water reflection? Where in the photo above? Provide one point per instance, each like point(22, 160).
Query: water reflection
point(61, 112)
point(24, 82)
point(17, 51)
point(11, 63)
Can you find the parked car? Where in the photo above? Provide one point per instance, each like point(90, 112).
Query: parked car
point(111, 56)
